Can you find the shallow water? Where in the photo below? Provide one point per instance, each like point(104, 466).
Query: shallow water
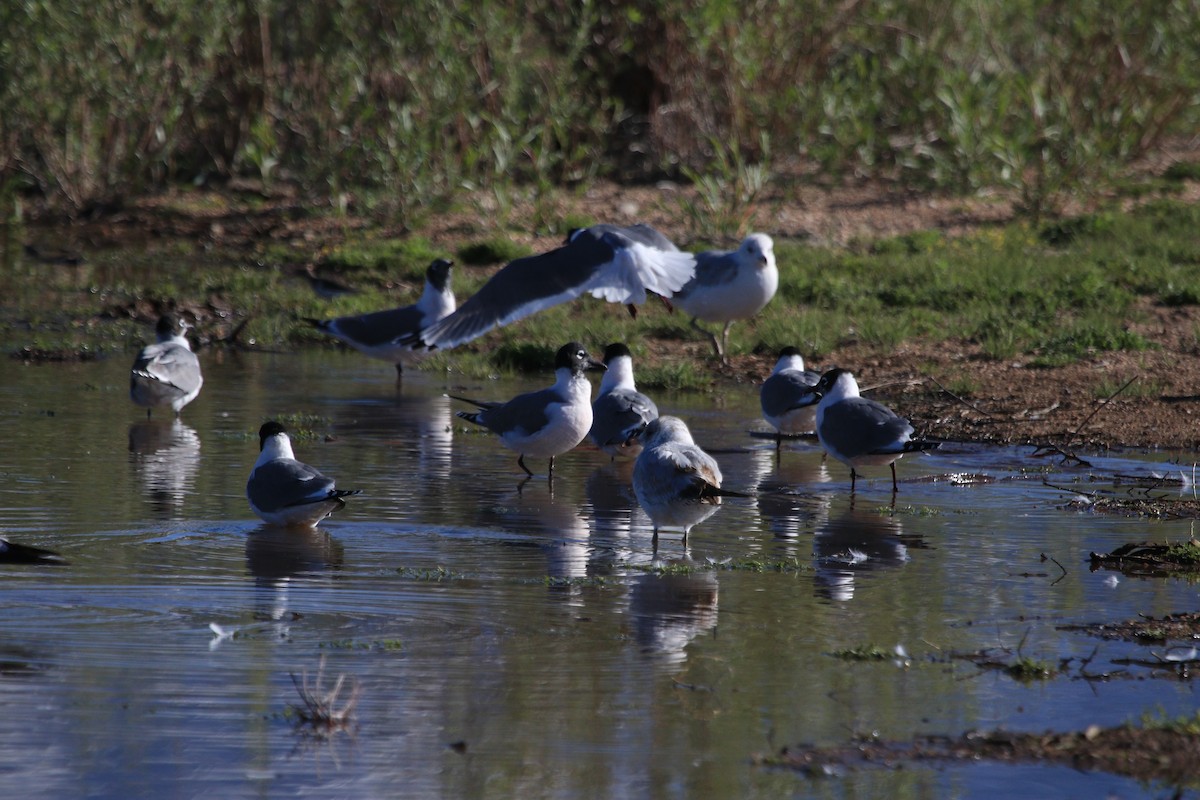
point(506, 638)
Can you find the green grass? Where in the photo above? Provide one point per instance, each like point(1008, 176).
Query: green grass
point(1048, 295)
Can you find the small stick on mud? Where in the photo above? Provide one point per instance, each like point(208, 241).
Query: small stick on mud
point(955, 397)
point(1064, 449)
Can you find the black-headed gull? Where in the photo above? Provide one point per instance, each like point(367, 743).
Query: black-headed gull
point(383, 334)
point(730, 285)
point(861, 432)
point(550, 421)
point(166, 373)
point(620, 412)
point(284, 491)
point(614, 263)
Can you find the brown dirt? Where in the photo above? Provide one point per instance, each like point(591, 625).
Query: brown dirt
point(1010, 401)
point(1147, 754)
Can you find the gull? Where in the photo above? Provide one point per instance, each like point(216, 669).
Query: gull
point(14, 553)
point(861, 432)
point(789, 403)
point(548, 422)
point(617, 264)
point(620, 412)
point(730, 285)
point(380, 334)
point(677, 484)
point(166, 373)
point(286, 492)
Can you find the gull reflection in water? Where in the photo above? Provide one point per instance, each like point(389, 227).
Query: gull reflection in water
point(786, 499)
point(854, 543)
point(670, 610)
point(278, 556)
point(613, 507)
point(555, 526)
point(165, 455)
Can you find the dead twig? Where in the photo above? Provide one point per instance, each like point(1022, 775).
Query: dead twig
point(955, 397)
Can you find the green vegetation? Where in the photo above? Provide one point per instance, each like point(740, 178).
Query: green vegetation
point(392, 108)
point(867, 652)
point(1046, 294)
point(1182, 725)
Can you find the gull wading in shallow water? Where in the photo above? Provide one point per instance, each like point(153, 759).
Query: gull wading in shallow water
point(382, 334)
point(861, 432)
point(677, 484)
point(614, 263)
point(548, 422)
point(730, 285)
point(286, 492)
point(166, 373)
point(788, 401)
point(620, 412)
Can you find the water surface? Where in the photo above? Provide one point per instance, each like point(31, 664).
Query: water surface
point(507, 637)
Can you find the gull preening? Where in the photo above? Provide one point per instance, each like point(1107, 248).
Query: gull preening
point(677, 484)
point(620, 412)
point(730, 285)
point(383, 334)
point(166, 373)
point(284, 491)
point(788, 401)
point(614, 263)
point(550, 421)
point(861, 432)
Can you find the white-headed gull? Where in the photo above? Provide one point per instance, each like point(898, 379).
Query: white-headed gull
point(730, 285)
point(166, 373)
point(677, 484)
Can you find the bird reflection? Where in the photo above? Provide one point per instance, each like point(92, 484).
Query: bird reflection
point(610, 495)
point(165, 454)
point(670, 610)
point(857, 542)
point(274, 554)
point(557, 525)
point(786, 498)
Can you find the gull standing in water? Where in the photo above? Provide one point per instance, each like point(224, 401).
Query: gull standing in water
point(548, 422)
point(620, 412)
point(730, 285)
point(382, 334)
point(166, 373)
point(617, 264)
point(861, 432)
point(788, 401)
point(677, 484)
point(286, 492)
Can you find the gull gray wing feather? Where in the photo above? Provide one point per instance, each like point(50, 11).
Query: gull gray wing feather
point(525, 412)
point(619, 415)
point(169, 363)
point(713, 268)
point(284, 482)
point(788, 390)
point(858, 426)
point(376, 328)
point(521, 288)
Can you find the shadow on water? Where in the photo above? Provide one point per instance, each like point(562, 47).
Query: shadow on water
point(521, 633)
